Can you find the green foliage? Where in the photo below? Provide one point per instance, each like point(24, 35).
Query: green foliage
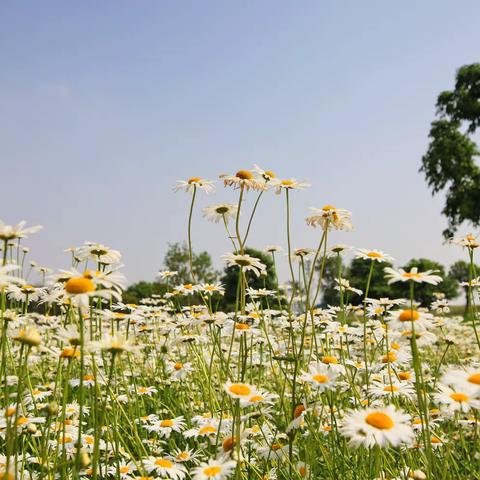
point(231, 274)
point(460, 271)
point(134, 293)
point(330, 273)
point(177, 259)
point(449, 162)
point(424, 293)
point(357, 274)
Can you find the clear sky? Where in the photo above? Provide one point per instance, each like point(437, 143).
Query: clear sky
point(104, 105)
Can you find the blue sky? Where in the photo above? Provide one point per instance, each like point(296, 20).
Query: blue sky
point(104, 105)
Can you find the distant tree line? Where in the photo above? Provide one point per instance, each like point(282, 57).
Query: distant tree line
point(356, 272)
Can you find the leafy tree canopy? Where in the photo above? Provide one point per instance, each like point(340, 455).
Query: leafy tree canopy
point(230, 277)
point(424, 292)
point(177, 259)
point(449, 162)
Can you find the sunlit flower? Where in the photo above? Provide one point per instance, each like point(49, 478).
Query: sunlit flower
point(11, 232)
point(460, 398)
point(382, 427)
point(413, 275)
point(98, 253)
point(165, 467)
point(288, 184)
point(195, 183)
point(243, 179)
point(220, 212)
point(245, 262)
point(373, 255)
point(216, 469)
point(6, 278)
point(329, 217)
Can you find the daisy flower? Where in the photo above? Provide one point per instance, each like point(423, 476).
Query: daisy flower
point(194, 183)
point(469, 241)
point(373, 255)
point(220, 212)
point(403, 319)
point(413, 275)
point(319, 376)
point(245, 262)
point(162, 275)
point(468, 378)
point(164, 467)
point(458, 398)
point(267, 175)
point(329, 217)
point(383, 427)
point(11, 232)
point(211, 288)
point(289, 184)
point(6, 279)
point(216, 469)
point(394, 389)
point(98, 253)
point(243, 179)
point(240, 391)
point(166, 426)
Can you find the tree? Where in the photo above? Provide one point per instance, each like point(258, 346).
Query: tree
point(231, 275)
point(358, 276)
point(460, 271)
point(177, 259)
point(449, 162)
point(134, 293)
point(330, 296)
point(424, 292)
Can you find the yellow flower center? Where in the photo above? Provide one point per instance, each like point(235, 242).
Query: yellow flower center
point(389, 357)
point(124, 469)
point(166, 423)
point(287, 183)
point(320, 378)
point(178, 366)
point(409, 315)
point(390, 388)
point(212, 471)
point(329, 360)
point(256, 398)
point(374, 255)
point(142, 390)
point(404, 375)
point(164, 463)
point(379, 420)
point(411, 275)
point(244, 175)
point(183, 456)
point(240, 389)
point(474, 378)
point(459, 397)
point(79, 285)
point(276, 446)
point(193, 180)
point(269, 173)
point(207, 429)
point(435, 439)
point(242, 326)
point(328, 208)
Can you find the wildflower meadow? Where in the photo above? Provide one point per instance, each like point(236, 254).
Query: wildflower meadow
point(276, 385)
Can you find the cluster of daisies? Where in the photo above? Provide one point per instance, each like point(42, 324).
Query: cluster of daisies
point(277, 388)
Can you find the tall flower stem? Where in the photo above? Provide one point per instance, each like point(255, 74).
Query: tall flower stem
point(190, 252)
